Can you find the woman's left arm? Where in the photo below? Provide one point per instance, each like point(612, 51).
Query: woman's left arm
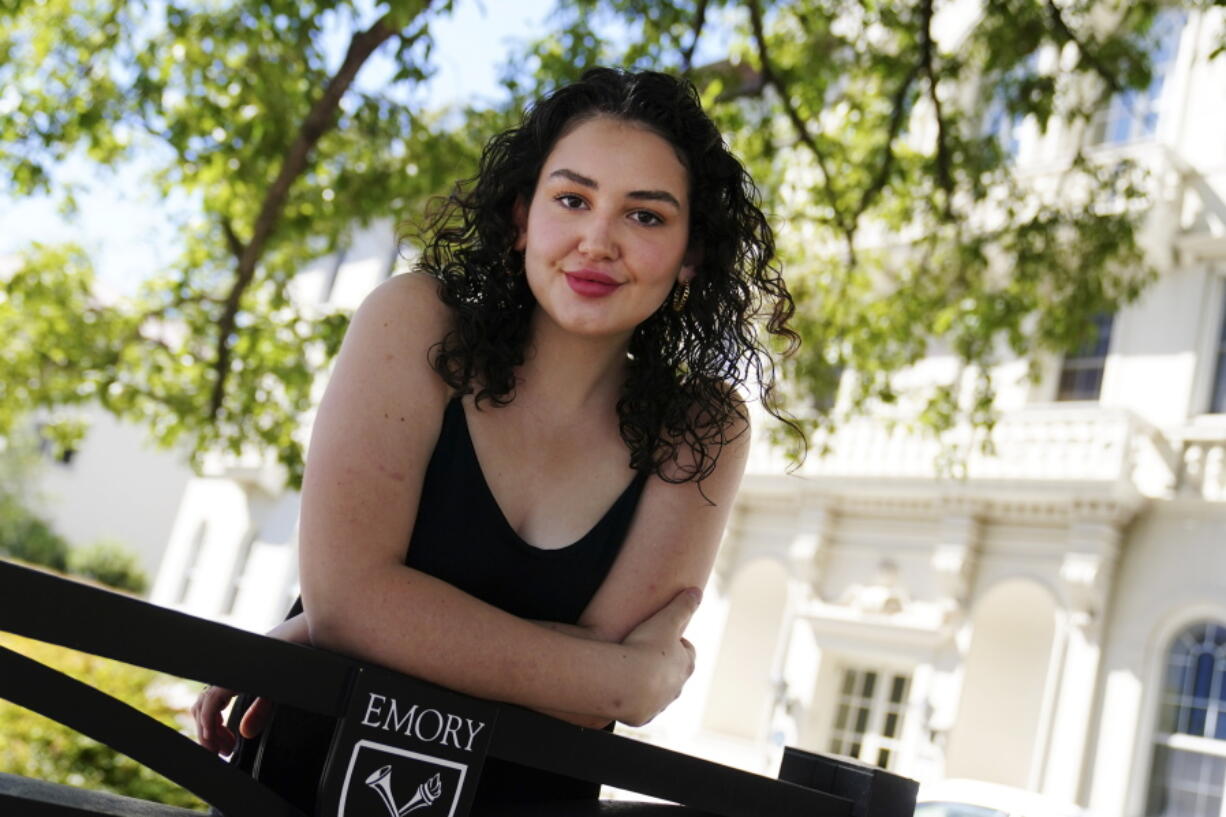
point(671, 545)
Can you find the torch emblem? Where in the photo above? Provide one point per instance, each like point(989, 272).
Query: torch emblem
point(381, 781)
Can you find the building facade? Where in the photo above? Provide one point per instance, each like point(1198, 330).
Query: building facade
point(1054, 618)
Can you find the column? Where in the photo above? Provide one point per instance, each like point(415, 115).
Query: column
point(1086, 574)
point(810, 547)
point(956, 556)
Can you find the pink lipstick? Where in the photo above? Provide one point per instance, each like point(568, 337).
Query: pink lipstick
point(591, 284)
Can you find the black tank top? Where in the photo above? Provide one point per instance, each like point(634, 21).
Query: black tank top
point(462, 537)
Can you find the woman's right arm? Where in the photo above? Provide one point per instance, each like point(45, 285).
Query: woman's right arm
point(376, 428)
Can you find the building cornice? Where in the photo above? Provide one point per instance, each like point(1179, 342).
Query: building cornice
point(1056, 504)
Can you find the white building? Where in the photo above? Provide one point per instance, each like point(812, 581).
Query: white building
point(116, 486)
point(1055, 621)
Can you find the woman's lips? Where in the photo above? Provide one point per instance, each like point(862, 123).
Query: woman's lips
point(591, 284)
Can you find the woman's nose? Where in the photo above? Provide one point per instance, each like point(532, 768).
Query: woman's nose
point(597, 240)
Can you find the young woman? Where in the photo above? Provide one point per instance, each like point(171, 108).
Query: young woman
point(525, 458)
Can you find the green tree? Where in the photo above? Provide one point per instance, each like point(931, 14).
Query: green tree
point(40, 748)
point(251, 111)
point(902, 221)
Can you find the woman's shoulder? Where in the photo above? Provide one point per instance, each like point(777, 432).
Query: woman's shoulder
point(391, 334)
point(717, 408)
point(413, 297)
point(713, 438)
point(404, 311)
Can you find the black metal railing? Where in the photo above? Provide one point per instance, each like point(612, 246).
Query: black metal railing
point(393, 732)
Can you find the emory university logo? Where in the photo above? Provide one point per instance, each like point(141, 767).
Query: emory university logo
point(427, 793)
point(405, 747)
point(390, 773)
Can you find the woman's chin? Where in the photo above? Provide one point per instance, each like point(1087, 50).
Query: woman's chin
point(592, 328)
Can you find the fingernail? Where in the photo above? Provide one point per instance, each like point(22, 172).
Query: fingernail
point(697, 594)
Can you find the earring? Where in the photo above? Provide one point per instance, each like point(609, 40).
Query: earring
point(681, 294)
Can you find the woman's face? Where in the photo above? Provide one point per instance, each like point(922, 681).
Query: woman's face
point(604, 237)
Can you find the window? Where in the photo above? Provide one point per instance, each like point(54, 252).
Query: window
point(1217, 400)
point(869, 715)
point(1189, 764)
point(1081, 376)
point(1133, 115)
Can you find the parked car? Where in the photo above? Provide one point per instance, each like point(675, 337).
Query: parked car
point(975, 798)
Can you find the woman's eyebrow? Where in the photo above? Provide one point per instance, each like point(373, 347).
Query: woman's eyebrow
point(655, 195)
point(645, 195)
point(577, 178)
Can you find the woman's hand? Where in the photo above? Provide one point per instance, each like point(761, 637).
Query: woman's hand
point(211, 727)
point(668, 659)
point(208, 710)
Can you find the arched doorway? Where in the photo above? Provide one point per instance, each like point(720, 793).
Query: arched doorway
point(740, 694)
point(1007, 675)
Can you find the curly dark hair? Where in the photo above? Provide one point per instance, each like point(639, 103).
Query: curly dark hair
point(686, 367)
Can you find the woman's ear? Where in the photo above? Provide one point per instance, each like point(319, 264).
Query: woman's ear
point(689, 265)
point(519, 215)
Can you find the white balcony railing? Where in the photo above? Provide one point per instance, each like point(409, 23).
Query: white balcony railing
point(1202, 464)
point(1052, 444)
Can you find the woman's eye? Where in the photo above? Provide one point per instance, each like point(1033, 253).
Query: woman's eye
point(569, 200)
point(646, 217)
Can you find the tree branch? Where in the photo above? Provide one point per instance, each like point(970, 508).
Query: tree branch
point(104, 395)
point(232, 240)
point(700, 19)
point(944, 175)
point(770, 77)
point(1065, 35)
point(319, 120)
point(741, 80)
point(897, 114)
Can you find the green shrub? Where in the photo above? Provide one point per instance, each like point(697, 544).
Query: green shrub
point(36, 747)
point(111, 564)
point(29, 538)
